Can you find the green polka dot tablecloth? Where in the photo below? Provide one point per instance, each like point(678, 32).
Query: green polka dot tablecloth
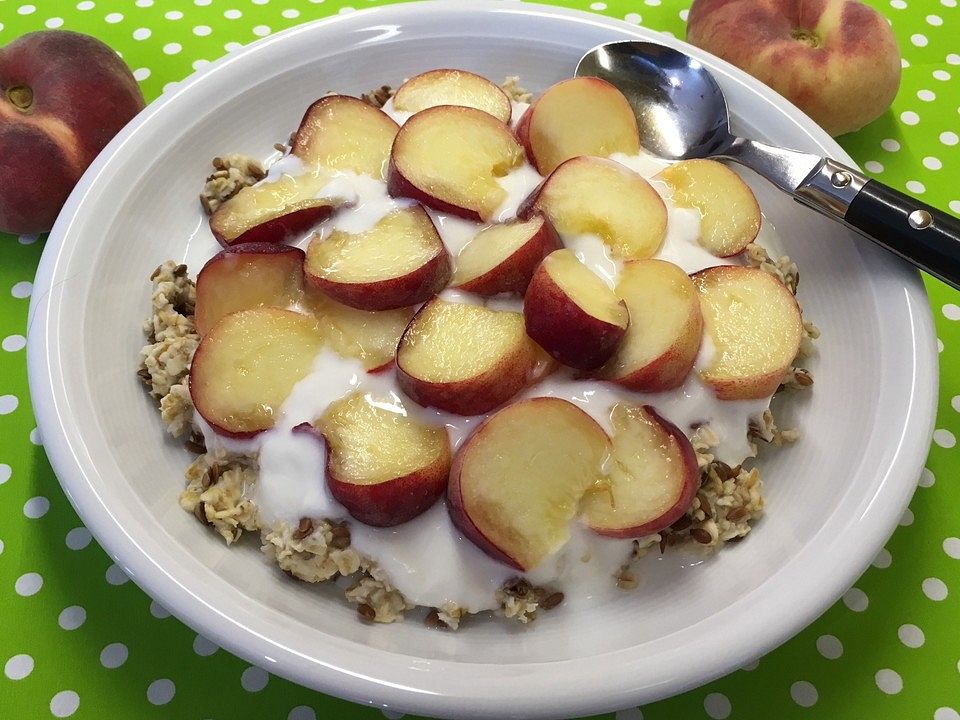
point(78, 639)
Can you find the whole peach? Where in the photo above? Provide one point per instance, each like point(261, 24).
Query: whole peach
point(63, 96)
point(837, 60)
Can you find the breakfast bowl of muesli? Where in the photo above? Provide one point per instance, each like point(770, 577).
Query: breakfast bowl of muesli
point(452, 398)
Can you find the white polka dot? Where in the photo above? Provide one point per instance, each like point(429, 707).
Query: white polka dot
point(951, 546)
point(115, 575)
point(202, 30)
point(932, 163)
point(26, 10)
point(907, 518)
point(254, 679)
point(391, 715)
point(28, 584)
point(934, 588)
point(945, 713)
point(954, 205)
point(939, 345)
point(259, 2)
point(85, 5)
point(856, 599)
point(951, 311)
point(202, 3)
point(173, 15)
point(652, 2)
point(909, 117)
point(883, 559)
point(949, 138)
point(898, 4)
point(290, 14)
point(231, 46)
point(261, 30)
point(144, 3)
point(18, 667)
point(717, 706)
point(751, 666)
point(78, 538)
point(232, 14)
point(598, 6)
point(172, 48)
point(22, 289)
point(161, 691)
point(829, 646)
point(204, 647)
point(948, 3)
point(36, 507)
point(927, 478)
point(54, 23)
point(114, 18)
point(633, 18)
point(170, 86)
point(941, 75)
point(888, 681)
point(904, 63)
point(72, 617)
point(5, 473)
point(916, 187)
point(926, 95)
point(27, 239)
point(114, 655)
point(8, 403)
point(345, 10)
point(684, 14)
point(953, 59)
point(944, 438)
point(890, 145)
point(803, 693)
point(35, 437)
point(873, 166)
point(919, 40)
point(13, 343)
point(158, 610)
point(141, 74)
point(302, 712)
point(934, 20)
point(141, 33)
point(64, 703)
point(1, 547)
point(197, 64)
point(910, 635)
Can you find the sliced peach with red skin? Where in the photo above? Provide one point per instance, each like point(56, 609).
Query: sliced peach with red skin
point(247, 276)
point(729, 212)
point(572, 314)
point(400, 261)
point(604, 198)
point(666, 327)
point(465, 359)
point(754, 324)
point(518, 479)
point(452, 87)
point(580, 116)
point(653, 477)
point(336, 133)
point(383, 467)
point(502, 258)
point(449, 158)
point(246, 366)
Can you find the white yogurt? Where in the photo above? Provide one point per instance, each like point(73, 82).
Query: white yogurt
point(596, 255)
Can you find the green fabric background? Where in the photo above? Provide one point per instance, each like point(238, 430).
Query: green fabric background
point(78, 639)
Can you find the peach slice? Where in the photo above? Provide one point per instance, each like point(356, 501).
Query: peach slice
point(754, 323)
point(572, 314)
point(449, 159)
point(591, 195)
point(370, 337)
point(730, 215)
point(274, 210)
point(247, 276)
point(666, 326)
point(465, 359)
point(246, 366)
point(503, 258)
point(452, 87)
point(400, 261)
point(383, 467)
point(580, 116)
point(345, 133)
point(653, 477)
point(516, 482)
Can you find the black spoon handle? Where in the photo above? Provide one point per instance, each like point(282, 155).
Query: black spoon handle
point(921, 234)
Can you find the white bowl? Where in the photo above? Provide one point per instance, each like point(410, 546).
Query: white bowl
point(833, 498)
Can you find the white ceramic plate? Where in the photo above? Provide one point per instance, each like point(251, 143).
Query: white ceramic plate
point(833, 498)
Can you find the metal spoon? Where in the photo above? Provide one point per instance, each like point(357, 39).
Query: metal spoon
point(681, 113)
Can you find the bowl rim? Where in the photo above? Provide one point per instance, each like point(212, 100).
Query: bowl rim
point(494, 693)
